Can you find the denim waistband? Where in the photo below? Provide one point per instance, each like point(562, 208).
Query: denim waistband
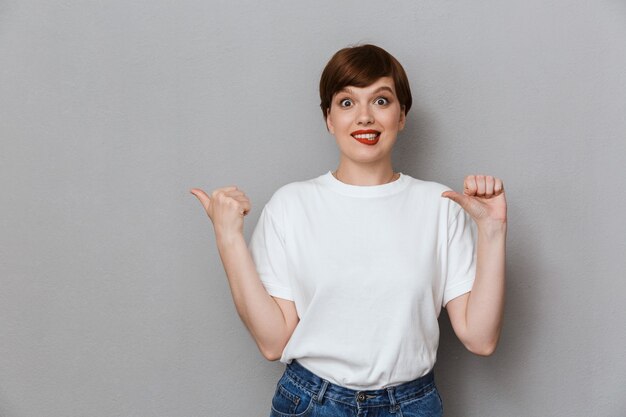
point(321, 388)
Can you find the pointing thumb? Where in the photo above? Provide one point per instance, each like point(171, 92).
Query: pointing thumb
point(460, 199)
point(205, 200)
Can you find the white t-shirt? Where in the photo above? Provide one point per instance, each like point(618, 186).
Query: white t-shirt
point(369, 268)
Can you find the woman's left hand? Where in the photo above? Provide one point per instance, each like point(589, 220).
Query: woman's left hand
point(483, 199)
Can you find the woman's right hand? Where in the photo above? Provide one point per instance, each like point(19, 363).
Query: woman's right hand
point(226, 208)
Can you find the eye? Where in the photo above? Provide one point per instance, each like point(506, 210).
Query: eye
point(346, 102)
point(381, 101)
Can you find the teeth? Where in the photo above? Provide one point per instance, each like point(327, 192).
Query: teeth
point(368, 136)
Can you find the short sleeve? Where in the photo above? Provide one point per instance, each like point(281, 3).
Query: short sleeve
point(267, 246)
point(461, 256)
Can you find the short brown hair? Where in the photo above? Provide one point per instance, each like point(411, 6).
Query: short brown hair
point(361, 66)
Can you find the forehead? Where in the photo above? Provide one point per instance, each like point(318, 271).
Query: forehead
point(382, 84)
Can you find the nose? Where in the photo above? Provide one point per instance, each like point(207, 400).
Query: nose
point(365, 116)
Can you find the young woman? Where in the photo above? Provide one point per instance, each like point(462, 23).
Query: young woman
point(347, 272)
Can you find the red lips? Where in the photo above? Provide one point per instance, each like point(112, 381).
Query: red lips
point(365, 132)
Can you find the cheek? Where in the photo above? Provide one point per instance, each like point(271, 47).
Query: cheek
point(340, 121)
point(392, 121)
point(395, 119)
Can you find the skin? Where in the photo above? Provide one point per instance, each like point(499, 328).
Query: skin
point(374, 107)
point(270, 320)
point(476, 316)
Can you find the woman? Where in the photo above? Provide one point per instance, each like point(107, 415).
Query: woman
point(347, 272)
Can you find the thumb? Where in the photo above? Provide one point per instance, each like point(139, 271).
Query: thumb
point(205, 200)
point(460, 199)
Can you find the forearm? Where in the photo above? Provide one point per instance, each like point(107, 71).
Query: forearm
point(485, 305)
point(257, 309)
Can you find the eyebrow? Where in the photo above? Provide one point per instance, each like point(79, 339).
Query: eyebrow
point(383, 88)
point(378, 90)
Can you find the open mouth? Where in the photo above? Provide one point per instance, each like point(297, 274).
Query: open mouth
point(367, 137)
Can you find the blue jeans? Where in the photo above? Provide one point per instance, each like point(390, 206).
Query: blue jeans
point(301, 393)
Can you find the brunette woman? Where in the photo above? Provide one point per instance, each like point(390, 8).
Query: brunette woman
point(347, 272)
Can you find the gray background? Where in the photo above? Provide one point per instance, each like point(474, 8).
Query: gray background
point(113, 300)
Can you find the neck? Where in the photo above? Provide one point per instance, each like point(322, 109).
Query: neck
point(365, 175)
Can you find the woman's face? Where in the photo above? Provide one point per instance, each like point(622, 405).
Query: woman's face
point(366, 121)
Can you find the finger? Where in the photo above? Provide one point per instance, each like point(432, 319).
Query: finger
point(498, 186)
point(205, 200)
point(234, 193)
point(460, 199)
point(246, 206)
point(480, 185)
point(244, 203)
point(489, 184)
point(469, 185)
point(239, 203)
point(222, 190)
point(242, 198)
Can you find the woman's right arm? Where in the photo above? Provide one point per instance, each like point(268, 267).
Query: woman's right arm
point(270, 320)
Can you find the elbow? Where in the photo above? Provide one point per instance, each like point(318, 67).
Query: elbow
point(271, 356)
point(484, 351)
point(486, 348)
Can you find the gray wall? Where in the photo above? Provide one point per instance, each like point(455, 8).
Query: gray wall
point(113, 300)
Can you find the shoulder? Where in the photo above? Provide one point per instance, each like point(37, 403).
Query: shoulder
point(292, 192)
point(430, 192)
point(294, 188)
point(425, 186)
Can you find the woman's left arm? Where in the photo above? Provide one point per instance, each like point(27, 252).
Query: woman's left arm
point(476, 316)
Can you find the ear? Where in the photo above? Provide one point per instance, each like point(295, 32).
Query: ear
point(329, 123)
point(402, 119)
